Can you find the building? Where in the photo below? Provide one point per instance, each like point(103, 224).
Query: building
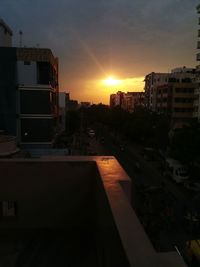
point(112, 100)
point(152, 80)
point(5, 35)
point(172, 94)
point(63, 100)
point(116, 99)
point(81, 217)
point(197, 90)
point(133, 100)
point(29, 95)
point(128, 101)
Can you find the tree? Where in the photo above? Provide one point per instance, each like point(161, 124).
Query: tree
point(185, 144)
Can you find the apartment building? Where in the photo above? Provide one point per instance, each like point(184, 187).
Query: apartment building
point(116, 99)
point(29, 95)
point(132, 100)
point(172, 93)
point(152, 80)
point(176, 98)
point(128, 101)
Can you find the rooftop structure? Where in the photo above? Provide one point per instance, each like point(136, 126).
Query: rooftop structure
point(74, 211)
point(5, 34)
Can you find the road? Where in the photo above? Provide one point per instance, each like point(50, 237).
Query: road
point(171, 229)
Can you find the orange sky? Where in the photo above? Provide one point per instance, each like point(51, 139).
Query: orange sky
point(97, 91)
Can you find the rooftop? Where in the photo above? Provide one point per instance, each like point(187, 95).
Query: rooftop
point(6, 27)
point(74, 211)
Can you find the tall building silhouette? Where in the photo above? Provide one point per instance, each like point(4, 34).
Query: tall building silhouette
point(29, 95)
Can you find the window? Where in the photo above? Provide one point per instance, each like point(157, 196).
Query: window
point(8, 209)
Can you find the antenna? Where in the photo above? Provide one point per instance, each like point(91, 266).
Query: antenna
point(20, 38)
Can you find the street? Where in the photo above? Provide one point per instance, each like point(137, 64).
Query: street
point(161, 204)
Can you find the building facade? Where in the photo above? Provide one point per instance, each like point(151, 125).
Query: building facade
point(116, 99)
point(29, 95)
point(175, 97)
point(152, 80)
point(133, 100)
point(128, 101)
point(63, 100)
point(5, 35)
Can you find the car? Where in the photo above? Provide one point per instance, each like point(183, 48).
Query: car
point(175, 170)
point(192, 186)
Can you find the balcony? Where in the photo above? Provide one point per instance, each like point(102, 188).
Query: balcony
point(74, 211)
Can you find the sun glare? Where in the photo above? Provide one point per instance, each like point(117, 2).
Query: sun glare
point(110, 81)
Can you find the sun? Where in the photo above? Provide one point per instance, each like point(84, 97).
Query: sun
point(110, 81)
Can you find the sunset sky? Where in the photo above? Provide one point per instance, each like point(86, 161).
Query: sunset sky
point(95, 39)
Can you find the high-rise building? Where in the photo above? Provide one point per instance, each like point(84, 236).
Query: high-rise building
point(128, 101)
point(172, 93)
point(63, 100)
point(29, 95)
point(133, 100)
point(152, 80)
point(116, 99)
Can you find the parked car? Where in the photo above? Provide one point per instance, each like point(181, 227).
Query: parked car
point(176, 170)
